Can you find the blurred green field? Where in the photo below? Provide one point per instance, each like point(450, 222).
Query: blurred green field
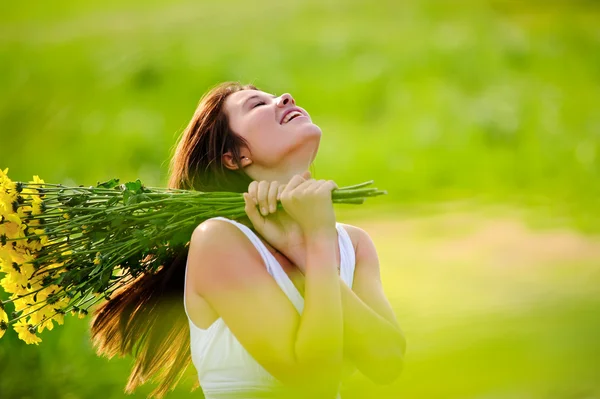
point(454, 107)
point(435, 100)
point(491, 309)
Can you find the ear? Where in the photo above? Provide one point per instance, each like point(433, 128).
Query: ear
point(227, 160)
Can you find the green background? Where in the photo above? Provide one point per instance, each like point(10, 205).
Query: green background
point(480, 119)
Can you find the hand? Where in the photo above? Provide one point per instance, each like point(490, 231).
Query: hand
point(274, 224)
point(311, 205)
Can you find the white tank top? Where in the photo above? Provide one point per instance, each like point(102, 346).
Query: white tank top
point(225, 368)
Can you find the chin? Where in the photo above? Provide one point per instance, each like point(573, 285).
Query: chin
point(310, 129)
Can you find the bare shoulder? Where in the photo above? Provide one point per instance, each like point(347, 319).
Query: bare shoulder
point(357, 234)
point(214, 245)
point(214, 228)
point(367, 259)
point(216, 234)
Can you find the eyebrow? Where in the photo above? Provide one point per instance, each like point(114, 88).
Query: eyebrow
point(254, 96)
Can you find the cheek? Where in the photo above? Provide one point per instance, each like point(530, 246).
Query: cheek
point(262, 126)
point(250, 127)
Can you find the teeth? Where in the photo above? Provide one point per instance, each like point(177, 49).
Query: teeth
point(291, 115)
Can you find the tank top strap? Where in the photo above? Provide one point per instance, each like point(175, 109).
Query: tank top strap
point(347, 256)
point(272, 265)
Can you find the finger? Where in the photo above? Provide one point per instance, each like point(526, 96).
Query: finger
point(293, 183)
point(252, 212)
point(305, 186)
point(327, 186)
point(263, 190)
point(306, 175)
point(319, 183)
point(272, 196)
point(279, 191)
point(253, 191)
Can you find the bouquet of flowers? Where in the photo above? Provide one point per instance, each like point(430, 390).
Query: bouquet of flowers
point(63, 249)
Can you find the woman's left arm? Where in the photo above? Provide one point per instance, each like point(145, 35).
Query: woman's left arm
point(373, 339)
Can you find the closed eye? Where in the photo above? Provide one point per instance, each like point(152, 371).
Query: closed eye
point(258, 103)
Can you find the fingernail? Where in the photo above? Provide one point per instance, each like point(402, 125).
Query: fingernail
point(272, 208)
point(263, 210)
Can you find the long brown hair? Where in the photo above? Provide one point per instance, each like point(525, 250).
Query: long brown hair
point(146, 317)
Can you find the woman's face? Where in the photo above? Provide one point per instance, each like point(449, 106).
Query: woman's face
point(283, 140)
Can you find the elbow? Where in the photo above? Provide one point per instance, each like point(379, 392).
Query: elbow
point(387, 368)
point(388, 372)
point(311, 379)
point(323, 377)
point(395, 363)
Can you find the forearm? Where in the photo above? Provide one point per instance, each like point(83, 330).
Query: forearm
point(371, 341)
point(319, 340)
point(376, 345)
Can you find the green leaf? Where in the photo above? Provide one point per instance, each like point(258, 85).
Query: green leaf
point(135, 186)
point(116, 220)
point(96, 269)
point(181, 236)
point(135, 199)
point(112, 183)
point(141, 237)
point(112, 201)
point(75, 200)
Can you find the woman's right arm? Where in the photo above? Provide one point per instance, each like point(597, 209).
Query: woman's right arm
point(302, 351)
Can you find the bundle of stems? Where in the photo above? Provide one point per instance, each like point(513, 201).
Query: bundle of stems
point(64, 248)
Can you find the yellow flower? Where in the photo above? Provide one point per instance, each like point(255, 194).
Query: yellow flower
point(42, 319)
point(66, 216)
point(23, 330)
point(8, 193)
point(43, 237)
point(20, 303)
point(36, 209)
point(59, 318)
point(9, 285)
point(97, 259)
point(81, 313)
point(36, 179)
point(5, 262)
point(12, 226)
point(3, 321)
point(23, 209)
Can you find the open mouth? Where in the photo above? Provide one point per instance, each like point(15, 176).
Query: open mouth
point(290, 116)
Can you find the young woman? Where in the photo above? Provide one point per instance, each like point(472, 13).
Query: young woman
point(283, 302)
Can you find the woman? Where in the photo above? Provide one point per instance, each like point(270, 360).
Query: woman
point(285, 301)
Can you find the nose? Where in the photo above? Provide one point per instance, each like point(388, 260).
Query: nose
point(285, 99)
